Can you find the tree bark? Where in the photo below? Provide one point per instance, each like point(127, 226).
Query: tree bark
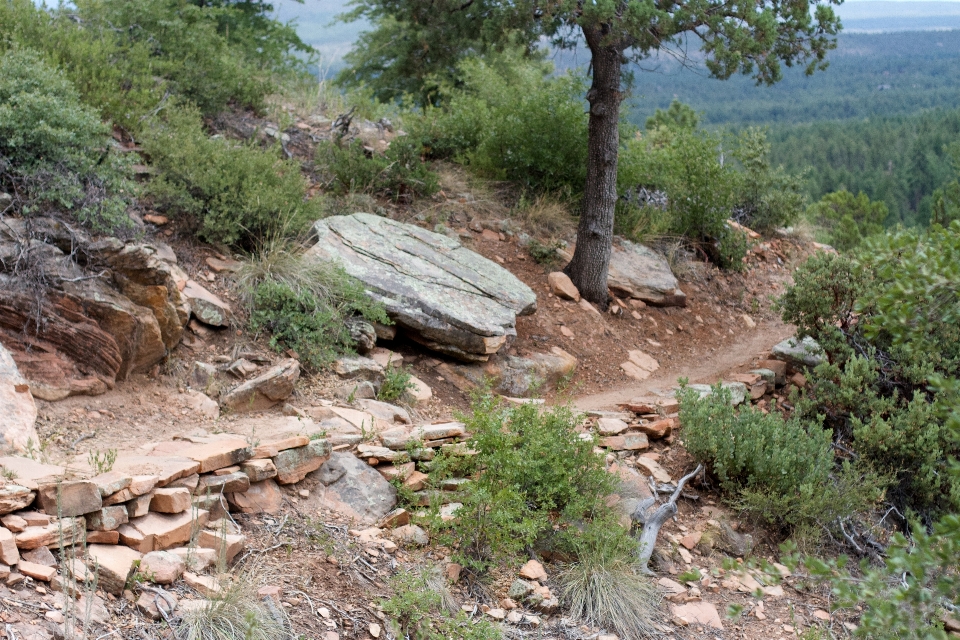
point(591, 259)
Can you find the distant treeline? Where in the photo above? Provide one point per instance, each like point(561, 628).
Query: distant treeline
point(870, 75)
point(899, 160)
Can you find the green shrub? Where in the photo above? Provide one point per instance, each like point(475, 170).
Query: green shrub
point(304, 305)
point(888, 319)
point(545, 253)
point(780, 471)
point(55, 154)
point(126, 58)
point(847, 219)
point(767, 197)
point(537, 473)
point(686, 166)
point(396, 382)
point(398, 173)
point(231, 193)
point(418, 607)
point(511, 120)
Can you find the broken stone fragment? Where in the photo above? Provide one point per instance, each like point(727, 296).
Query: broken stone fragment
point(170, 500)
point(113, 565)
point(261, 497)
point(211, 453)
point(294, 464)
point(14, 497)
point(226, 545)
point(562, 287)
point(272, 386)
point(262, 469)
point(69, 498)
point(161, 567)
point(107, 518)
point(205, 306)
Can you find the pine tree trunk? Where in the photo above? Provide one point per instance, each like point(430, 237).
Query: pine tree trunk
point(591, 259)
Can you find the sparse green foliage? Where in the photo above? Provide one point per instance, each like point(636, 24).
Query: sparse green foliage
point(544, 253)
point(102, 461)
point(230, 192)
point(127, 58)
point(509, 119)
point(396, 382)
point(55, 154)
point(781, 471)
point(767, 197)
point(847, 219)
point(419, 608)
point(398, 173)
point(677, 116)
point(304, 305)
point(537, 473)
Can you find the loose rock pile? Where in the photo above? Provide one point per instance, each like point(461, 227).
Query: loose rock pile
point(164, 511)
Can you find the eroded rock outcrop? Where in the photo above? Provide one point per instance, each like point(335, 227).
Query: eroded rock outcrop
point(440, 293)
point(77, 314)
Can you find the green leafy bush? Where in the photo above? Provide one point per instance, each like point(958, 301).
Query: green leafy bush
point(55, 154)
point(780, 471)
point(685, 165)
point(396, 382)
point(767, 197)
point(398, 173)
point(537, 473)
point(127, 58)
point(887, 319)
point(418, 607)
point(232, 193)
point(511, 120)
point(304, 305)
point(907, 597)
point(847, 219)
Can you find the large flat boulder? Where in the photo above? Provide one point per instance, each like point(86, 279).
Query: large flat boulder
point(443, 295)
point(637, 271)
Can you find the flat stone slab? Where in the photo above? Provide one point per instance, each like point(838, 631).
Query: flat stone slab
point(210, 453)
point(442, 294)
point(637, 271)
point(167, 468)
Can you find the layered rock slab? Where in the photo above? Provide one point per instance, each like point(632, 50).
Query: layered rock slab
point(637, 271)
point(446, 297)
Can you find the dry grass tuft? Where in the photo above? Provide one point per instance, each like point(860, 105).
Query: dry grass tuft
point(280, 259)
point(545, 217)
point(612, 596)
point(237, 612)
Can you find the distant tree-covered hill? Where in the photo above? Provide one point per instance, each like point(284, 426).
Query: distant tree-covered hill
point(899, 160)
point(870, 75)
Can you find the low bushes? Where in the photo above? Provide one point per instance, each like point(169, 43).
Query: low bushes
point(845, 219)
point(511, 120)
point(419, 608)
point(231, 193)
point(780, 471)
point(398, 173)
point(55, 154)
point(537, 473)
point(305, 306)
